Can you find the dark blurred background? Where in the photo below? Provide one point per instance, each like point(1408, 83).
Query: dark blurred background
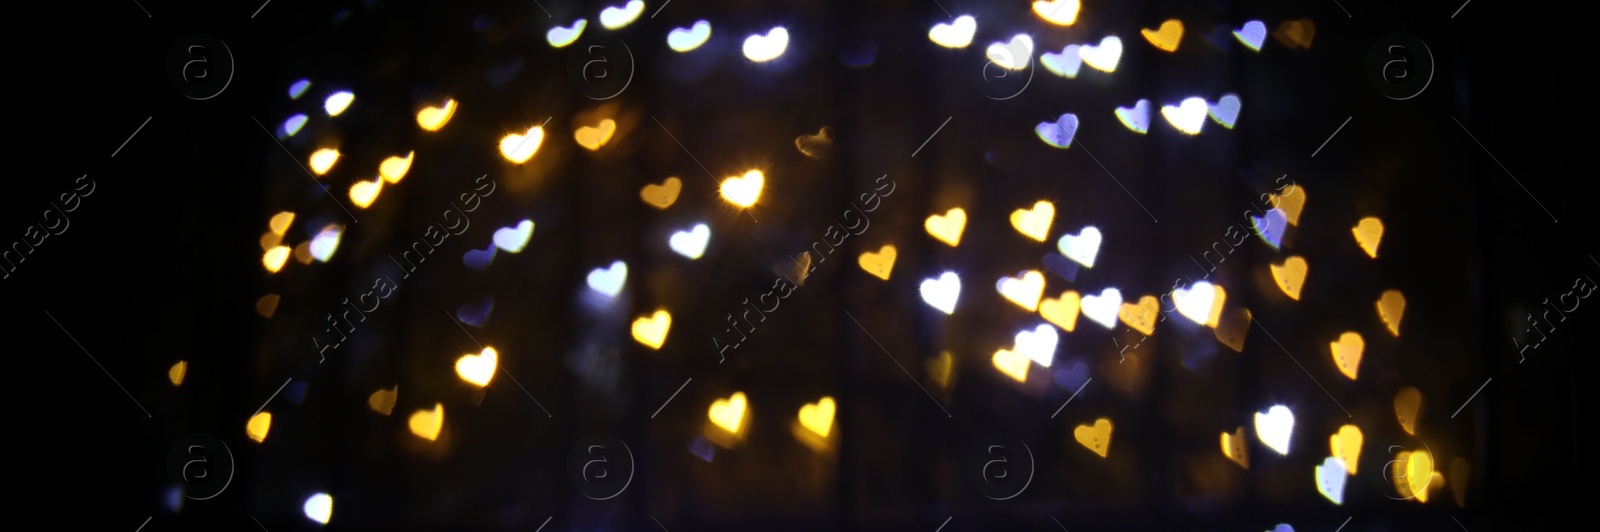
point(1487, 216)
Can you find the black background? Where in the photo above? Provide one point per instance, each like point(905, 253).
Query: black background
point(161, 263)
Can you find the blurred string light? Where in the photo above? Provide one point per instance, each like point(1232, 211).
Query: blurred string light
point(608, 280)
point(322, 160)
point(1011, 55)
point(947, 227)
point(1096, 437)
point(762, 48)
point(743, 191)
point(326, 242)
point(1188, 116)
point(663, 195)
point(1167, 37)
point(1024, 289)
point(432, 118)
point(729, 419)
point(427, 424)
point(1104, 56)
point(593, 137)
point(298, 88)
point(1274, 428)
point(1082, 247)
point(274, 258)
point(1252, 34)
point(1369, 232)
point(338, 102)
point(258, 426)
point(478, 369)
point(518, 148)
point(364, 193)
point(691, 243)
point(1136, 118)
point(942, 293)
point(614, 18)
point(291, 126)
point(561, 36)
point(319, 508)
point(880, 263)
point(394, 168)
point(1058, 12)
point(956, 34)
point(651, 330)
point(177, 372)
point(687, 39)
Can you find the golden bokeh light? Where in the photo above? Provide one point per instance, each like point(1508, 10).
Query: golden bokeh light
point(258, 426)
point(433, 118)
point(394, 168)
point(743, 191)
point(322, 160)
point(518, 148)
point(427, 423)
point(478, 369)
point(1096, 437)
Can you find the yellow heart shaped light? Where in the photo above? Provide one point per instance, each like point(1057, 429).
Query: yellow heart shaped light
point(1034, 223)
point(948, 228)
point(652, 330)
point(427, 423)
point(879, 264)
point(322, 160)
point(729, 414)
point(394, 168)
point(818, 417)
point(363, 193)
point(1166, 37)
point(743, 191)
point(432, 118)
point(177, 371)
point(1096, 438)
point(519, 148)
point(258, 426)
point(478, 369)
point(594, 137)
point(1346, 446)
point(663, 195)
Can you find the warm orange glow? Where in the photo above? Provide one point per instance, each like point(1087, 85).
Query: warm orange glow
point(432, 118)
point(382, 401)
point(363, 193)
point(1236, 447)
point(427, 423)
point(818, 417)
point(1025, 291)
point(1013, 364)
point(478, 369)
point(267, 305)
point(1346, 446)
point(1290, 276)
point(1141, 316)
point(177, 371)
point(743, 191)
point(322, 160)
point(948, 228)
point(275, 257)
point(1034, 223)
point(1062, 311)
point(593, 138)
point(519, 148)
point(652, 330)
point(1392, 307)
point(258, 426)
point(1058, 12)
point(1407, 405)
point(1347, 353)
point(1096, 438)
point(1369, 232)
point(393, 169)
point(729, 419)
point(1166, 37)
point(879, 264)
point(663, 195)
point(280, 222)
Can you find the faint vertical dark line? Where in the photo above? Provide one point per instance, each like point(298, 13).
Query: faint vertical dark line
point(847, 20)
